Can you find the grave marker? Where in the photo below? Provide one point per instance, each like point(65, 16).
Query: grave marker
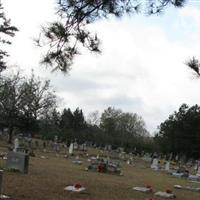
point(154, 164)
point(167, 166)
point(16, 144)
point(18, 161)
point(71, 147)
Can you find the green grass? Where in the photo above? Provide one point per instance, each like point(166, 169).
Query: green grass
point(48, 177)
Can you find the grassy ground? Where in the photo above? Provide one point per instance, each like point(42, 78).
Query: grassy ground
point(47, 178)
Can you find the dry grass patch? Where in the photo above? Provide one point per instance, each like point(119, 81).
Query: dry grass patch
point(48, 177)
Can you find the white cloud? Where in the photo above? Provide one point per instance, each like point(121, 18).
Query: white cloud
point(191, 12)
point(140, 70)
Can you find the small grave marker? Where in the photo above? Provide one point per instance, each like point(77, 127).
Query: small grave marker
point(167, 166)
point(16, 144)
point(154, 164)
point(71, 148)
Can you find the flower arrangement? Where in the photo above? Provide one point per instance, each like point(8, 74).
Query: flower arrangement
point(168, 191)
point(77, 185)
point(149, 187)
point(149, 198)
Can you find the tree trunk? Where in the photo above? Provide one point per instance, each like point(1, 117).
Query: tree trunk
point(10, 134)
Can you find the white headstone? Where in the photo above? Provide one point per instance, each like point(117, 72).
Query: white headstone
point(71, 148)
point(16, 144)
point(195, 167)
point(170, 156)
point(75, 146)
point(154, 164)
point(167, 166)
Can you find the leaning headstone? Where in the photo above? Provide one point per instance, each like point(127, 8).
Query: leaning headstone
point(154, 164)
point(18, 161)
point(16, 144)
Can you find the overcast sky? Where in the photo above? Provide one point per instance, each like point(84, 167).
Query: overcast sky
point(141, 68)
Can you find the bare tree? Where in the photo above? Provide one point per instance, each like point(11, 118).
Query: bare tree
point(22, 101)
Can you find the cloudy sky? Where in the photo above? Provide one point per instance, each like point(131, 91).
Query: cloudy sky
point(141, 68)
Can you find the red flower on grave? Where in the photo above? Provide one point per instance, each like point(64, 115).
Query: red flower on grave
point(101, 168)
point(174, 196)
point(149, 198)
point(78, 186)
point(168, 191)
point(149, 187)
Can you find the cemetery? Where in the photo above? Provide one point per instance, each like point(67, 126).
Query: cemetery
point(125, 125)
point(149, 178)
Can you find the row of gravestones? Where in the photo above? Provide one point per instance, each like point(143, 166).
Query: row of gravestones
point(155, 166)
point(55, 145)
point(171, 157)
point(19, 160)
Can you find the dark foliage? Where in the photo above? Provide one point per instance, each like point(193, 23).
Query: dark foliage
point(180, 133)
point(71, 126)
point(66, 38)
point(22, 102)
point(5, 30)
point(194, 65)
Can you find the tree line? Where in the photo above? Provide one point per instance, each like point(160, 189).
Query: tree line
point(180, 133)
point(113, 127)
point(29, 105)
